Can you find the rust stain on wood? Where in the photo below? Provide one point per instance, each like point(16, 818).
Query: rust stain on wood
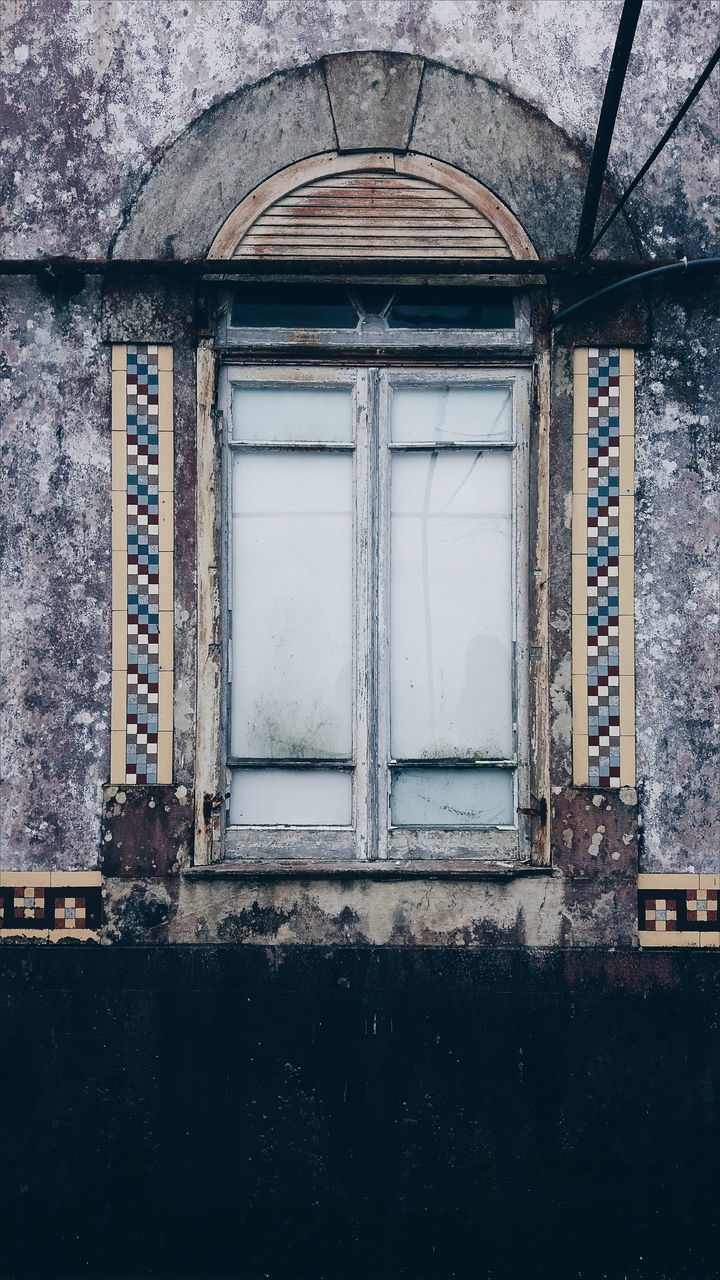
point(371, 215)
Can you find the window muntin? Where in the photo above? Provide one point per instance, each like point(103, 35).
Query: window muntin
point(436, 761)
point(378, 315)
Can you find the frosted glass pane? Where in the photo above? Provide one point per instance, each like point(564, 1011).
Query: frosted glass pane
point(451, 616)
point(452, 798)
point(292, 617)
point(290, 797)
point(292, 413)
point(451, 414)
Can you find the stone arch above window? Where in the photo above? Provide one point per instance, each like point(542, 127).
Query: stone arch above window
point(371, 205)
point(350, 105)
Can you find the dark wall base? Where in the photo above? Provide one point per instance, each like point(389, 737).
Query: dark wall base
point(364, 1114)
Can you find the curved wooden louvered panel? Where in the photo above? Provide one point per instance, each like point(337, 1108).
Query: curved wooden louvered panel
point(371, 215)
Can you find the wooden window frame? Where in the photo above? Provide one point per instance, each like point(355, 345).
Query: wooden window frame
point(210, 770)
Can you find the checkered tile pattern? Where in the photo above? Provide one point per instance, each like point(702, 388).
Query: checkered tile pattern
point(46, 909)
point(70, 913)
point(660, 915)
point(701, 905)
point(29, 903)
point(143, 581)
point(603, 559)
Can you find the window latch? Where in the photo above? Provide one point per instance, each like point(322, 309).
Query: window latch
point(536, 810)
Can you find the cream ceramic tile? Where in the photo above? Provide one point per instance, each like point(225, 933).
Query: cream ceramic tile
point(165, 529)
point(579, 706)
point(77, 935)
point(22, 878)
point(708, 881)
point(70, 879)
point(627, 406)
point(626, 522)
point(119, 580)
point(165, 645)
point(165, 595)
point(119, 356)
point(626, 571)
point(627, 466)
point(580, 406)
point(579, 645)
point(627, 706)
point(627, 760)
point(119, 461)
point(37, 935)
point(667, 880)
point(117, 756)
point(647, 938)
point(119, 400)
point(579, 525)
point(165, 401)
point(164, 758)
point(579, 588)
point(165, 359)
point(580, 465)
point(627, 361)
point(709, 939)
point(626, 645)
point(580, 362)
point(165, 461)
point(165, 701)
point(119, 640)
point(119, 701)
point(580, 760)
point(119, 520)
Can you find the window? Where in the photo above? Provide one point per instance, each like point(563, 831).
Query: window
point(375, 607)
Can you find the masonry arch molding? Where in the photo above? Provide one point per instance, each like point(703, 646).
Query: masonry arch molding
point(335, 110)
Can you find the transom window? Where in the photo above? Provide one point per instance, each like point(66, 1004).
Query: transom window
point(376, 649)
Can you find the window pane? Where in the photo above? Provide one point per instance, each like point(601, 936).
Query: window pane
point(451, 309)
point(452, 798)
point(301, 414)
point(451, 615)
point(293, 307)
point(451, 414)
point(290, 797)
point(292, 605)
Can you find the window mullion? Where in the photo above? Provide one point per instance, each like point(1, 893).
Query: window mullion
point(364, 790)
point(382, 612)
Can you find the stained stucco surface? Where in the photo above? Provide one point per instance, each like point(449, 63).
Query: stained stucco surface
point(94, 95)
point(125, 77)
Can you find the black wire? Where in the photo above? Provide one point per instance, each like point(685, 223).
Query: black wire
point(665, 138)
point(706, 263)
point(606, 123)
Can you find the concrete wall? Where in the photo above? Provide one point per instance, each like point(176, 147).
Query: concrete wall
point(126, 80)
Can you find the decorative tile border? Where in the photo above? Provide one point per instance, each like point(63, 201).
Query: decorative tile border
point(142, 551)
point(602, 584)
point(50, 905)
point(678, 910)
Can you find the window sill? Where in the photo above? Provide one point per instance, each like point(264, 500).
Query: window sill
point(364, 870)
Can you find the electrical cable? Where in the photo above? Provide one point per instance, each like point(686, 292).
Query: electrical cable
point(712, 264)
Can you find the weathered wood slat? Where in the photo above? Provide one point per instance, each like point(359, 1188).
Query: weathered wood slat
point(315, 232)
point(365, 215)
point(341, 252)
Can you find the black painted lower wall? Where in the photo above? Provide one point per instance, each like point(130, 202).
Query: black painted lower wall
point(358, 1114)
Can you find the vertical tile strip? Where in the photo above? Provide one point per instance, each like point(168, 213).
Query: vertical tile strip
point(142, 564)
point(603, 658)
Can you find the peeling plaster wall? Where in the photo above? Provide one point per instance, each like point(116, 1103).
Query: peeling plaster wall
point(678, 586)
point(125, 77)
point(124, 80)
point(55, 623)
